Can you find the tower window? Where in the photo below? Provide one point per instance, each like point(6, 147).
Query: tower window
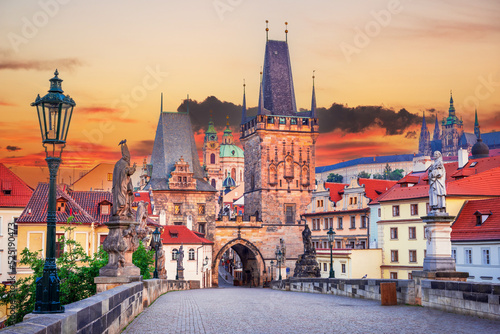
point(212, 158)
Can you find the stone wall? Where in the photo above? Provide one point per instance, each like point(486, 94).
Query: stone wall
point(475, 299)
point(107, 312)
point(357, 288)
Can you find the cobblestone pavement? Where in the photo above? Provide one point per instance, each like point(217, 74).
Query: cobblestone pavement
point(257, 310)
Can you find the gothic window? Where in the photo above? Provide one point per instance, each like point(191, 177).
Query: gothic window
point(212, 158)
point(289, 213)
point(201, 209)
point(272, 175)
point(289, 167)
point(213, 183)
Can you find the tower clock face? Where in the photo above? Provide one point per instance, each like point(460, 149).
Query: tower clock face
point(212, 145)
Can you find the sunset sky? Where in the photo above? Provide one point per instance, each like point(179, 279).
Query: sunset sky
point(116, 57)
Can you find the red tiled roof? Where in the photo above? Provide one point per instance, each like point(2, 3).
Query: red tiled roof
point(90, 200)
point(409, 179)
point(477, 166)
point(184, 236)
point(36, 209)
point(465, 229)
point(486, 183)
point(335, 190)
point(374, 188)
point(20, 192)
point(339, 212)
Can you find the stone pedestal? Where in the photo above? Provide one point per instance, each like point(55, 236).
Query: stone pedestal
point(437, 232)
point(180, 274)
point(120, 244)
point(307, 266)
point(420, 275)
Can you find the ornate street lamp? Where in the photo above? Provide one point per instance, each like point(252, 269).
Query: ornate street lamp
point(156, 243)
point(279, 257)
point(272, 267)
point(54, 116)
point(331, 237)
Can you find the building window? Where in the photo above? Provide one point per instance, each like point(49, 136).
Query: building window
point(412, 232)
point(394, 256)
point(338, 244)
point(379, 212)
point(394, 232)
point(293, 121)
point(177, 209)
point(201, 209)
point(427, 208)
point(282, 120)
point(340, 224)
point(414, 209)
point(413, 255)
point(319, 203)
point(110, 176)
point(174, 254)
point(324, 267)
point(363, 221)
point(395, 210)
point(343, 268)
point(394, 275)
point(353, 221)
point(105, 209)
point(290, 213)
point(213, 183)
point(212, 158)
point(454, 254)
point(486, 256)
point(61, 206)
point(468, 256)
point(191, 254)
point(410, 276)
point(59, 244)
point(201, 228)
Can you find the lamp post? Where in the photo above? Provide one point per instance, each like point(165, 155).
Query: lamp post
point(272, 265)
point(331, 236)
point(54, 116)
point(177, 267)
point(279, 256)
point(156, 243)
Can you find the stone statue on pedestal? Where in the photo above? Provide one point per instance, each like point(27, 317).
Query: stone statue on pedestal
point(437, 184)
point(180, 257)
point(306, 265)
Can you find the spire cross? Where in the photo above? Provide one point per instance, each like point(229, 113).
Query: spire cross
point(313, 76)
point(267, 30)
point(286, 32)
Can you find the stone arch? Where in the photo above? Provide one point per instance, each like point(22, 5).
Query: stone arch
point(258, 257)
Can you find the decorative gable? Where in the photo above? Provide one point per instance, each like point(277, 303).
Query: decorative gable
point(181, 178)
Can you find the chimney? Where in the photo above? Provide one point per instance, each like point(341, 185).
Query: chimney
point(463, 157)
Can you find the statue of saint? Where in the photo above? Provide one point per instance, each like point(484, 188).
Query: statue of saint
point(180, 257)
point(307, 240)
point(123, 190)
point(437, 185)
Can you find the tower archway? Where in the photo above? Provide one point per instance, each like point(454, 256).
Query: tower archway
point(253, 271)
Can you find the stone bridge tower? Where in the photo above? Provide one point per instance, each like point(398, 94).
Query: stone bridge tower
point(279, 145)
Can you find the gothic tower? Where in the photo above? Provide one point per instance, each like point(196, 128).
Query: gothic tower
point(476, 126)
point(452, 131)
point(211, 158)
point(424, 144)
point(279, 145)
point(437, 133)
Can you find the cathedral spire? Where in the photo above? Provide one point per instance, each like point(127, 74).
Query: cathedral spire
point(476, 126)
point(244, 107)
point(451, 111)
point(437, 135)
point(424, 145)
point(313, 100)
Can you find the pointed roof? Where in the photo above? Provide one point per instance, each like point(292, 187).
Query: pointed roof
point(15, 193)
point(424, 123)
point(277, 83)
point(437, 134)
point(476, 125)
point(313, 102)
point(260, 108)
point(244, 107)
point(174, 138)
point(465, 227)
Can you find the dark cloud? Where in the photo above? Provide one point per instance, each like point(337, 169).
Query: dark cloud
point(431, 110)
point(40, 65)
point(361, 118)
point(349, 120)
point(142, 148)
point(411, 135)
point(13, 148)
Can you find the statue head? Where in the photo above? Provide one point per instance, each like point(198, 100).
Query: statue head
point(437, 155)
point(125, 151)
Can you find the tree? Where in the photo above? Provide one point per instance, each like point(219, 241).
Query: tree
point(387, 172)
point(364, 175)
point(396, 174)
point(378, 176)
point(144, 259)
point(337, 178)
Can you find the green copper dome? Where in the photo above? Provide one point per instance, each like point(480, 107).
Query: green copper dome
point(230, 151)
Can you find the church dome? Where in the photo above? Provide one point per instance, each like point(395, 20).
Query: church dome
point(230, 151)
point(228, 182)
point(480, 149)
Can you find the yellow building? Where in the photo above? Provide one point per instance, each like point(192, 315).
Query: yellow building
point(401, 231)
point(350, 263)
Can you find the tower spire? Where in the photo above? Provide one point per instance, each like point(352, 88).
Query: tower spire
point(260, 110)
point(267, 30)
point(161, 103)
point(187, 104)
point(451, 111)
point(476, 125)
point(313, 99)
point(244, 107)
point(436, 135)
point(286, 32)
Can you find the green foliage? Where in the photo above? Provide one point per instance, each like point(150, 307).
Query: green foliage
point(144, 259)
point(378, 177)
point(390, 174)
point(335, 178)
point(76, 271)
point(364, 175)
